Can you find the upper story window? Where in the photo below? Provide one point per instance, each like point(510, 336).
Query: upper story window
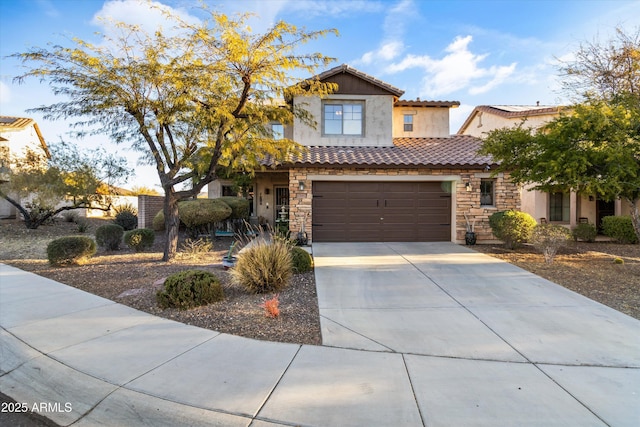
point(343, 118)
point(277, 130)
point(408, 122)
point(487, 192)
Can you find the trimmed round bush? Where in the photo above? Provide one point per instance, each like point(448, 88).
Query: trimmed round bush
point(239, 206)
point(301, 260)
point(126, 219)
point(109, 236)
point(158, 221)
point(196, 213)
point(264, 266)
point(512, 227)
point(619, 228)
point(190, 288)
point(585, 232)
point(140, 239)
point(548, 238)
point(70, 250)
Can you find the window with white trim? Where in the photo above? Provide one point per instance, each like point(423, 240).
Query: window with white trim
point(487, 192)
point(408, 122)
point(343, 118)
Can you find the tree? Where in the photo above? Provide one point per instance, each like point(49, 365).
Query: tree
point(189, 102)
point(71, 177)
point(595, 147)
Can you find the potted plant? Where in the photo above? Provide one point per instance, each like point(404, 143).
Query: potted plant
point(470, 235)
point(229, 260)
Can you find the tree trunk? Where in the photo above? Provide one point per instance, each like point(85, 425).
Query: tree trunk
point(171, 224)
point(635, 216)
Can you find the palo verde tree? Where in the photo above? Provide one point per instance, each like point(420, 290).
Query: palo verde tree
point(593, 149)
point(191, 100)
point(41, 186)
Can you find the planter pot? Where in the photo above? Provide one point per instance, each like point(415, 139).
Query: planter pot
point(301, 238)
point(470, 238)
point(228, 263)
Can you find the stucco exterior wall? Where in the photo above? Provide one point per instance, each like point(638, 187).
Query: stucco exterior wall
point(507, 195)
point(482, 123)
point(430, 122)
point(377, 125)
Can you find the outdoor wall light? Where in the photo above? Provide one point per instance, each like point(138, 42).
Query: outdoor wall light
point(467, 186)
point(301, 185)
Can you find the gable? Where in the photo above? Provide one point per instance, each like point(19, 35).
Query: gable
point(349, 84)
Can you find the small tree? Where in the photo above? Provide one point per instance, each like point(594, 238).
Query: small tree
point(189, 102)
point(548, 238)
point(69, 178)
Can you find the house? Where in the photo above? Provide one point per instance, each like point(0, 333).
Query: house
point(17, 135)
point(567, 208)
point(379, 168)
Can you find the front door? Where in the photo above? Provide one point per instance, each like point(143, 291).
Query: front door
point(604, 209)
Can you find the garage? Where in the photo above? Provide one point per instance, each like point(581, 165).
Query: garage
point(381, 211)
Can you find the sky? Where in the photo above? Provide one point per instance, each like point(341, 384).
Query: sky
point(491, 52)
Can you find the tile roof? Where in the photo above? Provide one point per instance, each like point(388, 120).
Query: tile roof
point(344, 68)
point(456, 151)
point(418, 103)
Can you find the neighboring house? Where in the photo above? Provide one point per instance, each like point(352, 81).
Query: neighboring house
point(559, 208)
point(378, 168)
point(17, 135)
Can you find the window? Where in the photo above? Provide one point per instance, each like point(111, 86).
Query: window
point(487, 192)
point(408, 123)
point(343, 118)
point(559, 207)
point(277, 130)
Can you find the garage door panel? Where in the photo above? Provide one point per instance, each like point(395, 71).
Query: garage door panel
point(381, 211)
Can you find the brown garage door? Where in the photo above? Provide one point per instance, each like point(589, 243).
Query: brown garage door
point(381, 212)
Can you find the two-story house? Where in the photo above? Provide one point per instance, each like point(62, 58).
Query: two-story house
point(566, 208)
point(17, 134)
point(378, 168)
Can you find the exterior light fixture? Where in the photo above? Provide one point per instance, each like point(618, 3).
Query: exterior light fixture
point(467, 186)
point(301, 185)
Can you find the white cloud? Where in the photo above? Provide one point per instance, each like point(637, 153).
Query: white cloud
point(5, 93)
point(458, 69)
point(146, 14)
point(391, 46)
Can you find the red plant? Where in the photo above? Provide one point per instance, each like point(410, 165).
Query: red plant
point(271, 306)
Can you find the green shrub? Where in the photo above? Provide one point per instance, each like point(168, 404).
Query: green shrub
point(140, 239)
point(70, 250)
point(619, 228)
point(301, 260)
point(585, 232)
point(190, 288)
point(239, 206)
point(548, 238)
point(202, 212)
point(126, 217)
point(158, 221)
point(264, 266)
point(512, 227)
point(196, 214)
point(109, 236)
point(618, 261)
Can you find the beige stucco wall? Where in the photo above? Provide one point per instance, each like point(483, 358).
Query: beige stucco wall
point(429, 122)
point(264, 204)
point(507, 194)
point(482, 123)
point(377, 126)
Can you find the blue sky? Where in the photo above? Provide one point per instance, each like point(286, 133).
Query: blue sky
point(471, 51)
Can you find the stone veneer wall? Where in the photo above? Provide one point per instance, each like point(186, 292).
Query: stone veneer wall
point(148, 207)
point(507, 195)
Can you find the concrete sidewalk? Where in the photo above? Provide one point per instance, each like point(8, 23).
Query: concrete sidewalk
point(414, 334)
